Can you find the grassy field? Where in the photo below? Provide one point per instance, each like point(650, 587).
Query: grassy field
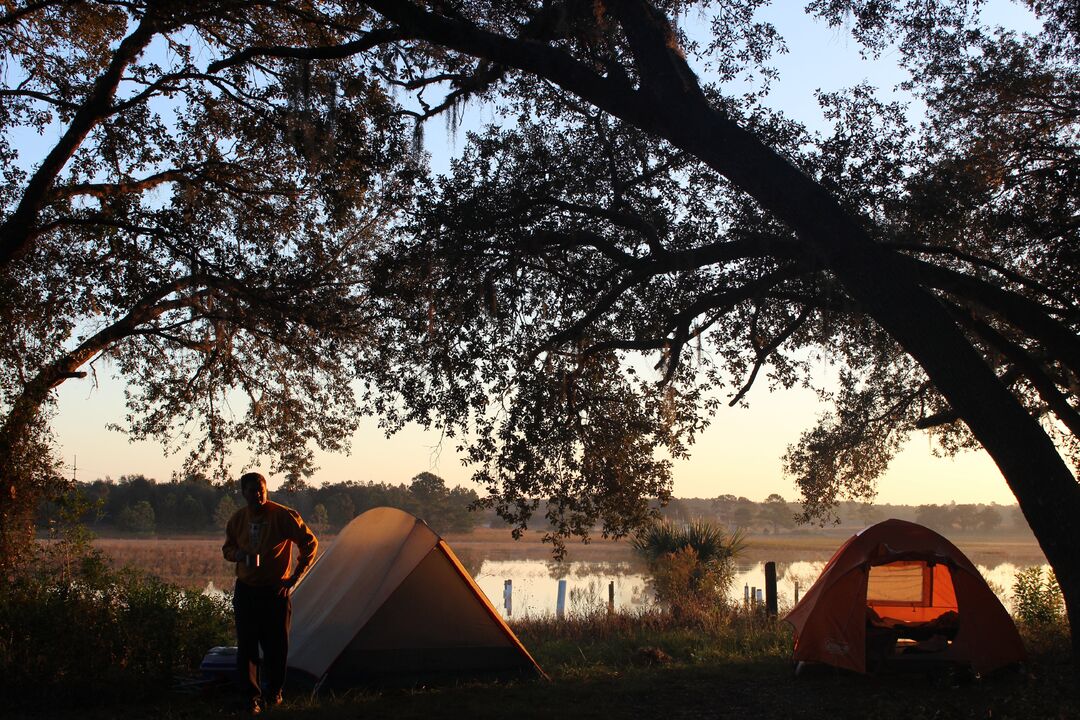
point(645, 664)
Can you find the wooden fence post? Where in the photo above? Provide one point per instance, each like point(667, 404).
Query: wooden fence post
point(770, 589)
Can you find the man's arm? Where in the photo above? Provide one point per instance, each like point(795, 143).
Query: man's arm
point(306, 544)
point(231, 549)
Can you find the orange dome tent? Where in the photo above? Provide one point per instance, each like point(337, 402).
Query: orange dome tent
point(898, 590)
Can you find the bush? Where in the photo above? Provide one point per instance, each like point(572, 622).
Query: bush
point(1038, 597)
point(1040, 612)
point(74, 631)
point(692, 564)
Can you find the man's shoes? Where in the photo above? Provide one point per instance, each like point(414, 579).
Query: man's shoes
point(274, 700)
point(254, 707)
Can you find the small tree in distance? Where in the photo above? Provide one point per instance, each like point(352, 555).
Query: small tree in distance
point(224, 510)
point(777, 513)
point(138, 518)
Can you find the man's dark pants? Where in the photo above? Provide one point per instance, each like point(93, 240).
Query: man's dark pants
point(263, 617)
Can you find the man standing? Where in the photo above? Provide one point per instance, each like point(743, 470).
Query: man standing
point(259, 539)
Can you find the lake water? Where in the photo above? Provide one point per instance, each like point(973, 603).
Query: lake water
point(535, 583)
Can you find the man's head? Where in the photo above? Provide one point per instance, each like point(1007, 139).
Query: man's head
point(253, 488)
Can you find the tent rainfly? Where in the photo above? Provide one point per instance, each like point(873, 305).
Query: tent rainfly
point(389, 601)
point(900, 591)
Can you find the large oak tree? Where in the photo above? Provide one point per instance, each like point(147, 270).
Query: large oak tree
point(200, 228)
point(635, 208)
point(626, 207)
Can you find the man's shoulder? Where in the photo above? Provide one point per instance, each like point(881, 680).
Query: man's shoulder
point(283, 509)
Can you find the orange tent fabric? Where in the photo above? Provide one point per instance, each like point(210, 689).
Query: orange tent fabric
point(903, 574)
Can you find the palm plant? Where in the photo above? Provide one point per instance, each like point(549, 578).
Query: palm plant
point(710, 541)
point(691, 563)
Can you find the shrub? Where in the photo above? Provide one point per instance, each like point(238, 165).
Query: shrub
point(72, 630)
point(1038, 597)
point(692, 565)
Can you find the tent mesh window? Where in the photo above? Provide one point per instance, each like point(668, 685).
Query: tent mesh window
point(905, 583)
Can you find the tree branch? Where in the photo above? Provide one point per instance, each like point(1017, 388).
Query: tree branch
point(369, 40)
point(44, 97)
point(764, 353)
point(1025, 363)
point(16, 233)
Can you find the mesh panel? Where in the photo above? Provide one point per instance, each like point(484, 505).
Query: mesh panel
point(898, 583)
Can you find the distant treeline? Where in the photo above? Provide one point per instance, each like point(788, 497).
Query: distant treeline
point(776, 515)
point(136, 504)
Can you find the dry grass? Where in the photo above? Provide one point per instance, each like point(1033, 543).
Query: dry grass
point(647, 665)
point(189, 562)
point(192, 562)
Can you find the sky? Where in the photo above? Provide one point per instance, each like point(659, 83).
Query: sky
point(739, 454)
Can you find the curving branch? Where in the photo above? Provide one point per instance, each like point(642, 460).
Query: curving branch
point(107, 190)
point(16, 15)
point(762, 354)
point(1005, 272)
point(1028, 316)
point(368, 41)
point(43, 97)
point(677, 331)
point(1022, 360)
point(626, 218)
point(17, 232)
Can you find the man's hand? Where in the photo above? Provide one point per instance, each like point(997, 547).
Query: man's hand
point(287, 585)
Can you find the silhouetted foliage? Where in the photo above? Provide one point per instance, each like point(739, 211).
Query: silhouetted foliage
point(199, 229)
point(636, 198)
point(79, 634)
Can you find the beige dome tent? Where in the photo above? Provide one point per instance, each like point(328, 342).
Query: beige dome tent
point(389, 601)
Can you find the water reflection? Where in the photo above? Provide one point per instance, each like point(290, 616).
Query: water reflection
point(535, 583)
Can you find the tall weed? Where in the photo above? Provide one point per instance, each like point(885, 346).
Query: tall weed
point(692, 565)
point(623, 638)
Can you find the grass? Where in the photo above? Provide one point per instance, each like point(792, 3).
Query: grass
point(649, 664)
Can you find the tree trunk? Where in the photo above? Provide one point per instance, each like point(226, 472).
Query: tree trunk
point(23, 464)
point(1032, 466)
